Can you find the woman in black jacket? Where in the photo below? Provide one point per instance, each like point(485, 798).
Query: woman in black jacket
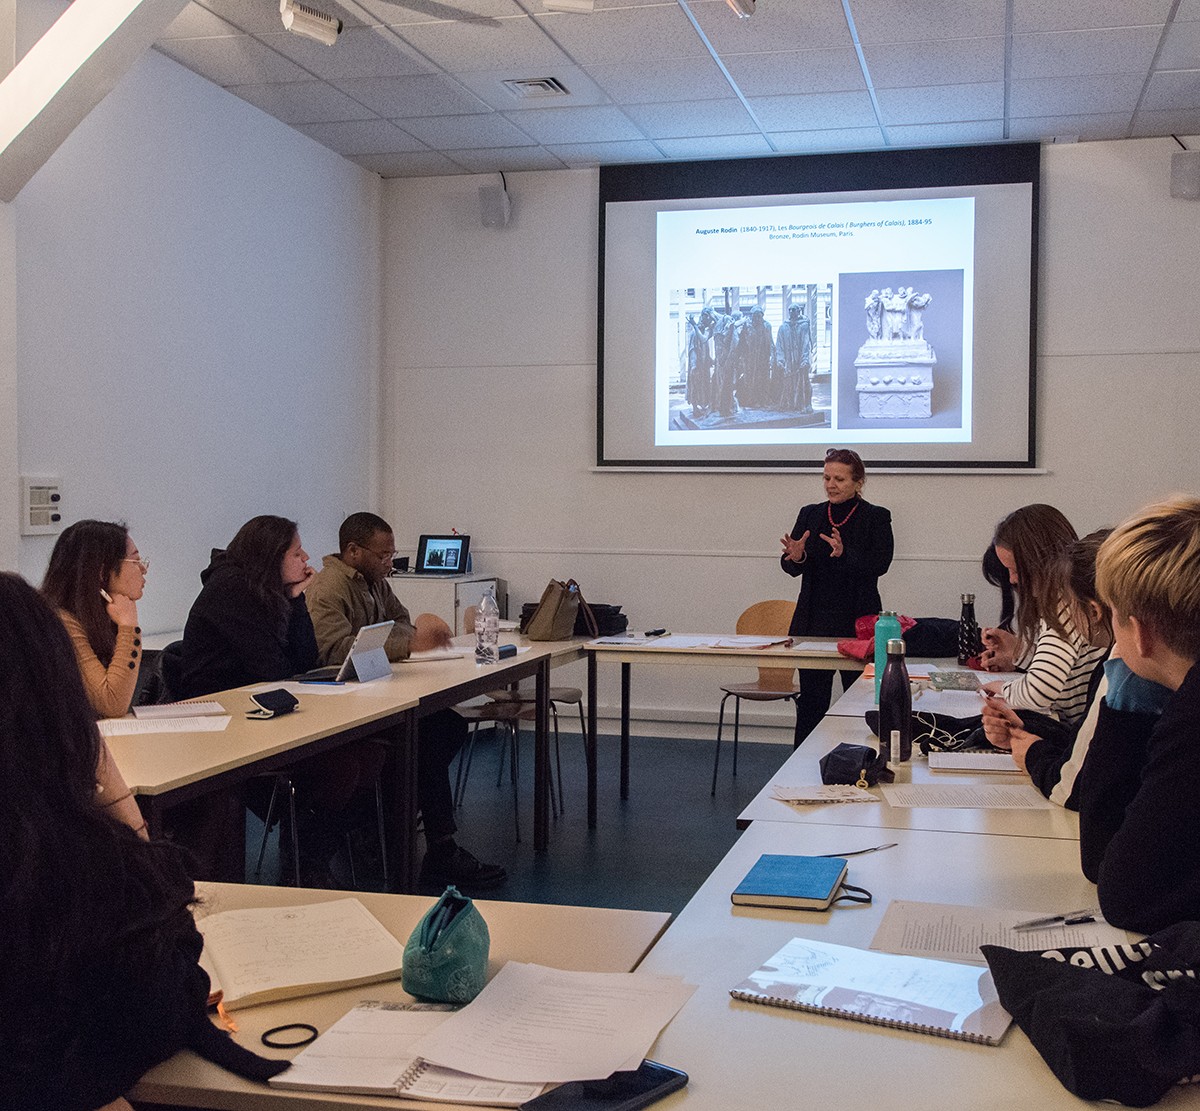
point(840, 547)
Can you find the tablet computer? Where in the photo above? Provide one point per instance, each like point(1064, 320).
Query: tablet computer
point(443, 555)
point(367, 658)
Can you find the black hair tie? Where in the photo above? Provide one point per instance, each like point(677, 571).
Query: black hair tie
point(309, 1032)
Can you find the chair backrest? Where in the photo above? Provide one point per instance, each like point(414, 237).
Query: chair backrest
point(171, 668)
point(770, 619)
point(469, 619)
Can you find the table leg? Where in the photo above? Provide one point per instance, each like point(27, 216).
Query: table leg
point(590, 741)
point(626, 676)
point(541, 757)
point(400, 818)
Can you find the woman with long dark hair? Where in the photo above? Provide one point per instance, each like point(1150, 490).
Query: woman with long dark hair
point(840, 548)
point(249, 623)
point(95, 579)
point(1032, 543)
point(98, 951)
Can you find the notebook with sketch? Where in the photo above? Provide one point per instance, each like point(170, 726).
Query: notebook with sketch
point(367, 658)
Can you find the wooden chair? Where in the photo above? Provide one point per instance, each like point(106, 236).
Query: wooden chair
point(774, 683)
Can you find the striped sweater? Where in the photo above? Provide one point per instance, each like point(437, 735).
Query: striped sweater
point(1056, 675)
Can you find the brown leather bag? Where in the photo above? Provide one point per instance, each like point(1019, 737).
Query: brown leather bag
point(554, 618)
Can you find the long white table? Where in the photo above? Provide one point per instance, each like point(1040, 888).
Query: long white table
point(749, 1056)
point(810, 653)
point(165, 769)
point(802, 769)
point(583, 939)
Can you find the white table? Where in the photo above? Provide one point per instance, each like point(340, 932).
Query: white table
point(578, 938)
point(802, 769)
point(750, 1056)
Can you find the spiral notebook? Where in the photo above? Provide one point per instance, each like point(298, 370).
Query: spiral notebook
point(368, 1051)
point(910, 993)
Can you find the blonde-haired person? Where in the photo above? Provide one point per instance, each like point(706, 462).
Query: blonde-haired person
point(1139, 822)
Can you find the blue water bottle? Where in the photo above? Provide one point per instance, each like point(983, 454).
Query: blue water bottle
point(887, 627)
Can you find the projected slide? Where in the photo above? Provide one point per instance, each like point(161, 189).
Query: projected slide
point(847, 322)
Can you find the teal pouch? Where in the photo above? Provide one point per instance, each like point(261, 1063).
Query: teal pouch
point(445, 958)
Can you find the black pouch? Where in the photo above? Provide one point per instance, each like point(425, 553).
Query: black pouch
point(855, 764)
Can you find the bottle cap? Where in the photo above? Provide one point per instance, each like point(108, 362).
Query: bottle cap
point(895, 647)
point(968, 598)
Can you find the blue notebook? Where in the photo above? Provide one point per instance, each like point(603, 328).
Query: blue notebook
point(799, 882)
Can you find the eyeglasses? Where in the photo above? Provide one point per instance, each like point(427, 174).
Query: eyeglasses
point(385, 557)
point(143, 563)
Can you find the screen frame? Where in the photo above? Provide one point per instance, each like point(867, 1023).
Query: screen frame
point(464, 546)
point(998, 164)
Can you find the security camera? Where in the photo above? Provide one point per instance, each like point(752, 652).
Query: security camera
point(300, 19)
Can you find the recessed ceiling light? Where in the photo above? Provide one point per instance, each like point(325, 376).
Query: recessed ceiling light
point(580, 7)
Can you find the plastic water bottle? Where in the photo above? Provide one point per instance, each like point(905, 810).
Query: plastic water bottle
point(895, 706)
point(487, 629)
point(969, 641)
point(887, 627)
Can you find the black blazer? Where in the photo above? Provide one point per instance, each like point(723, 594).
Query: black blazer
point(835, 592)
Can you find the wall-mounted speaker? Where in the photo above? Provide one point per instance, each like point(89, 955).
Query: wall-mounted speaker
point(1185, 175)
point(495, 206)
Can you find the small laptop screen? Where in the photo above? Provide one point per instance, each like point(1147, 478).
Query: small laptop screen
point(443, 555)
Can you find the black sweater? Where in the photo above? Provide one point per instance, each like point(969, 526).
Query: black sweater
point(233, 635)
point(836, 591)
point(1139, 820)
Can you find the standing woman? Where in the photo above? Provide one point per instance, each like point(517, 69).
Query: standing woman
point(840, 547)
point(95, 578)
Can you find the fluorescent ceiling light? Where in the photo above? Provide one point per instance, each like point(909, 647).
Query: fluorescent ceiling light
point(744, 8)
point(69, 70)
point(580, 7)
point(300, 19)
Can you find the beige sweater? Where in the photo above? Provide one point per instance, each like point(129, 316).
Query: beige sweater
point(340, 602)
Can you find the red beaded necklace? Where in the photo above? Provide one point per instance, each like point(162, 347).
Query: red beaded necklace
point(839, 524)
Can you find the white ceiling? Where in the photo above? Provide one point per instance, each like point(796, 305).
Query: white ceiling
point(414, 87)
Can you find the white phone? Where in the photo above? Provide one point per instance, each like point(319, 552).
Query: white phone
point(105, 595)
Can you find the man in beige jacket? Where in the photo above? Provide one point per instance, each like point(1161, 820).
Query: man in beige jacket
point(349, 592)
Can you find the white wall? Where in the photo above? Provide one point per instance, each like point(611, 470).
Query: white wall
point(500, 326)
point(197, 292)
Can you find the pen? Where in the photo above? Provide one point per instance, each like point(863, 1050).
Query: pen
point(863, 852)
point(1070, 918)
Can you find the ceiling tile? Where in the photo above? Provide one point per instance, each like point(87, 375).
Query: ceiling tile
point(489, 86)
point(477, 44)
point(302, 102)
point(506, 159)
point(815, 112)
point(603, 124)
point(675, 80)
point(195, 22)
point(1173, 90)
point(952, 62)
point(625, 34)
point(403, 97)
point(941, 104)
point(716, 146)
point(832, 69)
point(467, 132)
point(427, 11)
point(233, 60)
point(775, 25)
point(254, 17)
point(1188, 11)
point(361, 137)
point(1062, 15)
point(883, 21)
point(606, 154)
point(685, 121)
point(1070, 96)
point(1181, 47)
point(946, 134)
point(1114, 125)
point(1181, 122)
point(361, 52)
point(833, 139)
point(1080, 53)
point(418, 164)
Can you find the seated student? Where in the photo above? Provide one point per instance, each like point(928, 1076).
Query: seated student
point(350, 592)
point(249, 624)
point(98, 950)
point(1058, 662)
point(1138, 818)
point(94, 579)
point(1050, 751)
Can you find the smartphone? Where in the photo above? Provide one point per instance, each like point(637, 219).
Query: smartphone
point(105, 595)
point(623, 1091)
